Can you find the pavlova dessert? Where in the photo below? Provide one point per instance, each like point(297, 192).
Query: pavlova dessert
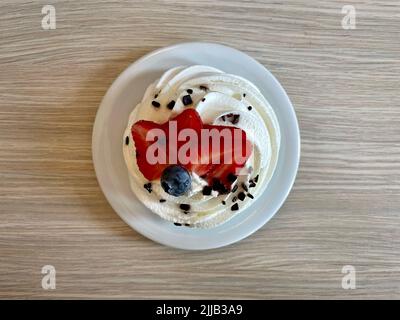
point(201, 146)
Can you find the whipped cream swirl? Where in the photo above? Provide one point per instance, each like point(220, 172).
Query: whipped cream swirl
point(216, 96)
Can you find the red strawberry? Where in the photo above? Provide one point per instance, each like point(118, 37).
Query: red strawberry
point(139, 133)
point(233, 155)
point(189, 118)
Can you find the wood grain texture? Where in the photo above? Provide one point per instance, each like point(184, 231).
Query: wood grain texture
point(345, 205)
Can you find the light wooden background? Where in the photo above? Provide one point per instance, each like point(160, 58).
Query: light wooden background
point(345, 205)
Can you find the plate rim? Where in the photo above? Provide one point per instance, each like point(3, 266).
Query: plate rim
point(148, 55)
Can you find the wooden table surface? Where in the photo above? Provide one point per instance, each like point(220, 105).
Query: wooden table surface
point(343, 210)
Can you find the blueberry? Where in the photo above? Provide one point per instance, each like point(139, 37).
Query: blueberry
point(175, 180)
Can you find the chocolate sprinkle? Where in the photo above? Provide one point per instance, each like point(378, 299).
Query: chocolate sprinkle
point(244, 95)
point(185, 212)
point(177, 224)
point(204, 88)
point(223, 118)
point(127, 140)
point(162, 200)
point(207, 190)
point(187, 224)
point(234, 199)
point(147, 186)
point(250, 196)
point(231, 177)
point(171, 105)
point(252, 184)
point(223, 202)
point(218, 186)
point(235, 207)
point(245, 187)
point(190, 91)
point(187, 100)
point(249, 108)
point(234, 188)
point(204, 99)
point(184, 207)
point(155, 104)
point(155, 96)
point(241, 196)
point(235, 119)
point(256, 179)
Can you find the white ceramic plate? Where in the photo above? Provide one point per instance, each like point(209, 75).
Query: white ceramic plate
point(128, 89)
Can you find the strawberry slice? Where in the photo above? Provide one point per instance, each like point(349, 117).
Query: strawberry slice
point(233, 154)
point(139, 131)
point(150, 168)
point(212, 162)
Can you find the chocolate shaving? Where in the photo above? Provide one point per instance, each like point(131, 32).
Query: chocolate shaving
point(187, 100)
point(184, 207)
point(155, 104)
point(241, 196)
point(147, 186)
point(171, 105)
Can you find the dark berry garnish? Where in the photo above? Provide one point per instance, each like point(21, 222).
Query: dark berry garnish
point(241, 196)
point(235, 207)
point(207, 190)
point(171, 105)
point(127, 140)
point(185, 207)
point(175, 180)
point(190, 91)
point(187, 100)
point(147, 186)
point(155, 104)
